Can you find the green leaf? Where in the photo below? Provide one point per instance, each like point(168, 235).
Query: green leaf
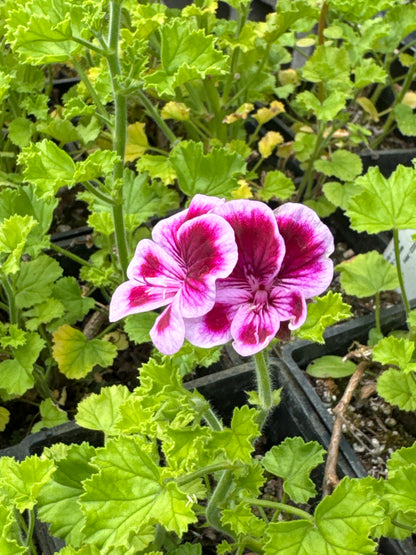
point(23, 481)
point(15, 336)
point(76, 355)
point(384, 204)
point(43, 313)
point(243, 522)
point(101, 411)
point(4, 418)
point(17, 373)
point(394, 350)
point(367, 274)
point(35, 281)
point(321, 205)
point(21, 131)
point(343, 522)
point(330, 65)
point(399, 491)
point(14, 232)
point(406, 120)
point(184, 448)
point(276, 185)
point(344, 164)
point(401, 458)
point(339, 194)
point(9, 532)
point(215, 173)
point(236, 443)
point(128, 492)
point(51, 415)
point(138, 326)
point(98, 164)
point(68, 292)
point(158, 167)
point(324, 312)
point(324, 111)
point(331, 366)
point(293, 460)
point(398, 388)
point(47, 166)
point(59, 498)
point(186, 54)
point(368, 72)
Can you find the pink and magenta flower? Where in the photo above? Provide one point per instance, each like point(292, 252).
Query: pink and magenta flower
point(179, 268)
point(283, 261)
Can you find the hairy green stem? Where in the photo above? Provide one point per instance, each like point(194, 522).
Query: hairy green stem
point(279, 506)
point(399, 269)
point(30, 529)
point(154, 114)
point(307, 180)
point(377, 313)
point(101, 111)
point(212, 420)
point(11, 300)
point(88, 44)
point(97, 193)
point(264, 385)
point(213, 512)
point(201, 472)
point(119, 134)
point(72, 256)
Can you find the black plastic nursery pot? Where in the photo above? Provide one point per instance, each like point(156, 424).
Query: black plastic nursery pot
point(296, 357)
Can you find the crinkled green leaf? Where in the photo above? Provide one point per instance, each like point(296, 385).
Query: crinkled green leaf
point(293, 460)
point(330, 65)
point(76, 355)
point(14, 336)
point(101, 411)
point(242, 521)
point(59, 497)
point(324, 312)
point(184, 448)
point(98, 164)
point(21, 131)
point(51, 415)
point(215, 173)
point(35, 281)
point(64, 131)
point(398, 388)
point(236, 442)
point(327, 110)
point(43, 313)
point(330, 366)
point(128, 492)
point(158, 167)
point(368, 72)
point(384, 204)
point(276, 185)
point(16, 374)
point(14, 232)
point(9, 532)
point(186, 54)
point(394, 350)
point(47, 166)
point(22, 481)
point(343, 164)
point(367, 274)
point(343, 522)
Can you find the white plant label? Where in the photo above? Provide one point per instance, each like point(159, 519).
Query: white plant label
point(407, 258)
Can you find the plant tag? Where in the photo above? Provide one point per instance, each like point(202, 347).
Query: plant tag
point(407, 258)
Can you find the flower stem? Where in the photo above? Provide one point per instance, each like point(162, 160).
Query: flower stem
point(97, 193)
point(213, 512)
point(399, 269)
point(119, 134)
point(13, 311)
point(279, 506)
point(71, 255)
point(201, 472)
point(101, 111)
point(212, 420)
point(154, 114)
point(264, 385)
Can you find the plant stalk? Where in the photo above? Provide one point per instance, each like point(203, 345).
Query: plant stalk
point(279, 506)
point(264, 385)
point(13, 310)
point(399, 270)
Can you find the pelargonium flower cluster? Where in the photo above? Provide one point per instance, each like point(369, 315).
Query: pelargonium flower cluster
point(233, 270)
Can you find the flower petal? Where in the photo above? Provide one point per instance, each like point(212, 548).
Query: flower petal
point(154, 279)
point(165, 232)
point(260, 245)
point(208, 250)
point(290, 306)
point(309, 242)
point(168, 332)
point(253, 329)
point(211, 329)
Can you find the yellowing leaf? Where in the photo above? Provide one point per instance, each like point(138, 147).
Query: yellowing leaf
point(264, 115)
point(241, 113)
point(13, 236)
point(175, 110)
point(289, 77)
point(368, 107)
point(269, 142)
point(243, 190)
point(410, 99)
point(76, 355)
point(4, 418)
point(137, 142)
